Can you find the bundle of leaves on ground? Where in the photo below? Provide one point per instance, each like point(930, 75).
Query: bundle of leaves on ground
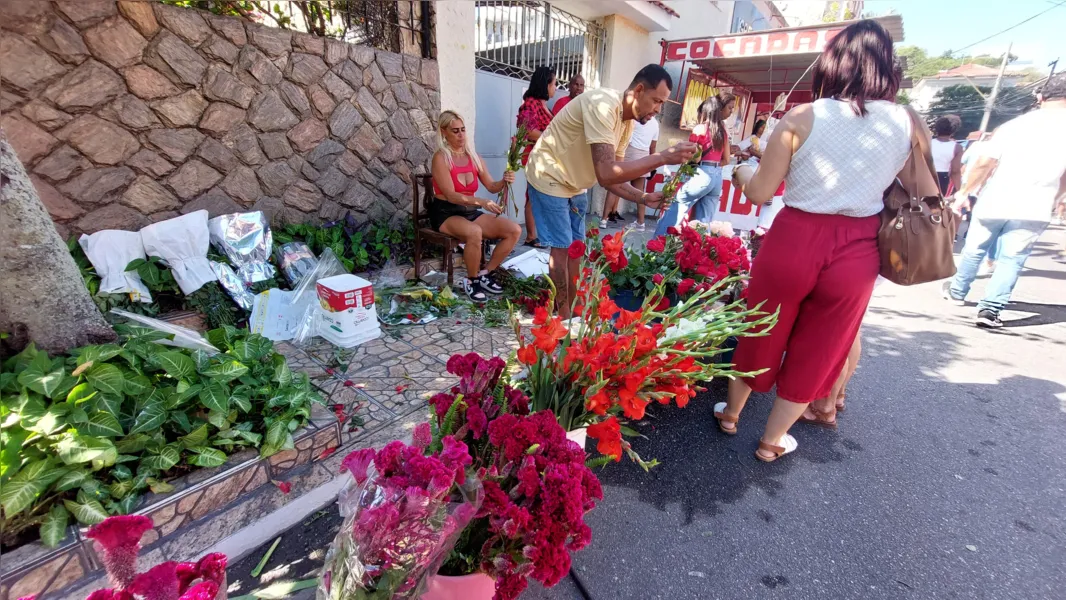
point(88, 434)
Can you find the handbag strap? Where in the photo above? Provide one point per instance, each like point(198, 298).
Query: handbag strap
point(923, 149)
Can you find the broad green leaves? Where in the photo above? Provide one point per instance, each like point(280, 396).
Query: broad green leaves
point(54, 527)
point(207, 457)
point(225, 372)
point(150, 417)
point(102, 424)
point(107, 379)
point(168, 456)
point(215, 397)
point(45, 376)
point(176, 363)
point(19, 492)
point(77, 449)
point(88, 513)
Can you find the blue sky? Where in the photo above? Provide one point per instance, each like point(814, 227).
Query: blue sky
point(939, 25)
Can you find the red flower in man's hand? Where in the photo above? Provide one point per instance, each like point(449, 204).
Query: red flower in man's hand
point(576, 250)
point(609, 434)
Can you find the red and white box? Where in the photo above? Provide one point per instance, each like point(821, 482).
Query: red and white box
point(342, 292)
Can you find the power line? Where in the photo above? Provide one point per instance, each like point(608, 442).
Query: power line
point(1057, 5)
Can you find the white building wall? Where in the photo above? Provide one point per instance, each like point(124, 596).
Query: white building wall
point(626, 51)
point(455, 56)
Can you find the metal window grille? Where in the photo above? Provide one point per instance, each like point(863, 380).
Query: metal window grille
point(514, 37)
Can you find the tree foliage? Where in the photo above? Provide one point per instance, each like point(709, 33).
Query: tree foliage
point(322, 17)
point(968, 104)
point(920, 64)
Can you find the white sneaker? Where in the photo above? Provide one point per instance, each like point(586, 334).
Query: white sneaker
point(640, 227)
point(603, 223)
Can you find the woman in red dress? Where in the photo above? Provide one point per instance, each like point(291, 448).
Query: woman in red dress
point(534, 114)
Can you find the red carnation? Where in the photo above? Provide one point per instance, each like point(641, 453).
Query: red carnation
point(685, 286)
point(576, 250)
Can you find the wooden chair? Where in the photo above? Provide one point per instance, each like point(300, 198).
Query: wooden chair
point(425, 233)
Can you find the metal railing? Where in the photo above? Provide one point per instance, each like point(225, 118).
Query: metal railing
point(514, 37)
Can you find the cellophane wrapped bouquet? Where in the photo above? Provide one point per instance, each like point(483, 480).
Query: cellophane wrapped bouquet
point(537, 486)
point(403, 510)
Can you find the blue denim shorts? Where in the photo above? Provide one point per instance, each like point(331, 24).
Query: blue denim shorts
point(560, 221)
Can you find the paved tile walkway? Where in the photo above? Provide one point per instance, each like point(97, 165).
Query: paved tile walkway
point(381, 382)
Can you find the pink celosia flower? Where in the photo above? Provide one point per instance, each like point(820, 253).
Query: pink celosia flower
point(158, 583)
point(187, 573)
point(213, 568)
point(357, 462)
point(118, 539)
point(206, 590)
point(422, 436)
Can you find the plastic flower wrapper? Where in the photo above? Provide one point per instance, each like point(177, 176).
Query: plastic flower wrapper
point(402, 513)
point(246, 241)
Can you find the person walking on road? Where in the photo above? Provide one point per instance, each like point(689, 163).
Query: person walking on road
point(1023, 176)
point(535, 116)
point(586, 145)
point(947, 153)
point(818, 263)
point(575, 87)
point(642, 143)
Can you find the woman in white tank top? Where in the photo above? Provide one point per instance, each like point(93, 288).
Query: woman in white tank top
point(818, 263)
point(947, 154)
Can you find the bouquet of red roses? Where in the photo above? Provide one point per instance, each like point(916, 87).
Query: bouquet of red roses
point(702, 258)
point(519, 142)
point(618, 361)
point(537, 486)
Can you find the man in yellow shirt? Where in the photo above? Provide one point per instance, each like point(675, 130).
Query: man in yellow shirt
point(584, 145)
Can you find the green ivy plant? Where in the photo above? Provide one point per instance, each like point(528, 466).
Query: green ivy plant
point(86, 435)
point(357, 246)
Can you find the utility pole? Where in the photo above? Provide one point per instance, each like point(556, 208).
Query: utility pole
point(1051, 64)
point(995, 90)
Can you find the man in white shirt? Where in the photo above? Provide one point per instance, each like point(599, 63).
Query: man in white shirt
point(641, 143)
point(1023, 173)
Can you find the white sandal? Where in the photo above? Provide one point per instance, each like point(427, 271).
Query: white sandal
point(788, 445)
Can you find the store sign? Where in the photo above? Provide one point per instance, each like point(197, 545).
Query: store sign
point(753, 44)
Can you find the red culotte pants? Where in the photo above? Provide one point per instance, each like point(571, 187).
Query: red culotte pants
point(820, 271)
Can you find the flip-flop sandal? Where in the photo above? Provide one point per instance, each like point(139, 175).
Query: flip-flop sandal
point(535, 243)
point(819, 419)
point(789, 445)
point(721, 417)
point(840, 407)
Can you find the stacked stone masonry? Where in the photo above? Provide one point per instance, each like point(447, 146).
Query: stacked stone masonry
point(131, 112)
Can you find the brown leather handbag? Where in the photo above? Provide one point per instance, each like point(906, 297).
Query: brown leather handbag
point(917, 232)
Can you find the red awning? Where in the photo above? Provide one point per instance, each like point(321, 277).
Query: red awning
point(766, 63)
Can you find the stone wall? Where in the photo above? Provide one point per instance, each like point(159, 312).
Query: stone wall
point(127, 113)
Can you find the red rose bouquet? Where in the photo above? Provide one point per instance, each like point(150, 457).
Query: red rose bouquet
point(616, 361)
point(537, 487)
point(703, 254)
point(403, 511)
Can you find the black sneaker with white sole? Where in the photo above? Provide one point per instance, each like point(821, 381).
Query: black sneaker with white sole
point(488, 283)
point(474, 290)
point(988, 319)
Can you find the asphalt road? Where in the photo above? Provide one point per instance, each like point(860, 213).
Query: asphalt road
point(946, 479)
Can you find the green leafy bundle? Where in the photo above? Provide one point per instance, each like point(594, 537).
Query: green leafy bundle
point(357, 246)
point(86, 435)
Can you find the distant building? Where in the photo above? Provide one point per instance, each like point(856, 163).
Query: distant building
point(803, 13)
point(925, 91)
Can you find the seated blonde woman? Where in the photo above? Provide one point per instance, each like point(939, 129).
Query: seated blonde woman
point(455, 210)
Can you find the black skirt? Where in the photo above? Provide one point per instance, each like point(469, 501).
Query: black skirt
point(441, 210)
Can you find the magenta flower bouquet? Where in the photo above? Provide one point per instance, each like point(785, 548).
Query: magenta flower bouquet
point(403, 511)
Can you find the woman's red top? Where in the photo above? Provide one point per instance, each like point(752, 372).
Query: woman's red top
point(465, 189)
point(534, 115)
point(704, 140)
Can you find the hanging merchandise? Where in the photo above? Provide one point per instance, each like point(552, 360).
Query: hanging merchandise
point(110, 251)
point(234, 285)
point(246, 241)
point(295, 260)
point(182, 242)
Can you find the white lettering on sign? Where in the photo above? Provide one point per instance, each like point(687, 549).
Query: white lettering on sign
point(752, 44)
point(733, 207)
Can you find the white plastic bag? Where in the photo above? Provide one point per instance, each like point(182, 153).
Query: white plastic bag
point(183, 336)
point(110, 251)
point(183, 243)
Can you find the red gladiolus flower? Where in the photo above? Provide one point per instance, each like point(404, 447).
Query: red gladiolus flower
point(606, 309)
point(627, 318)
point(685, 286)
point(599, 402)
point(119, 540)
point(657, 278)
point(576, 250)
point(614, 251)
point(609, 434)
point(284, 486)
point(328, 452)
point(594, 232)
point(657, 245)
point(527, 354)
point(547, 337)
